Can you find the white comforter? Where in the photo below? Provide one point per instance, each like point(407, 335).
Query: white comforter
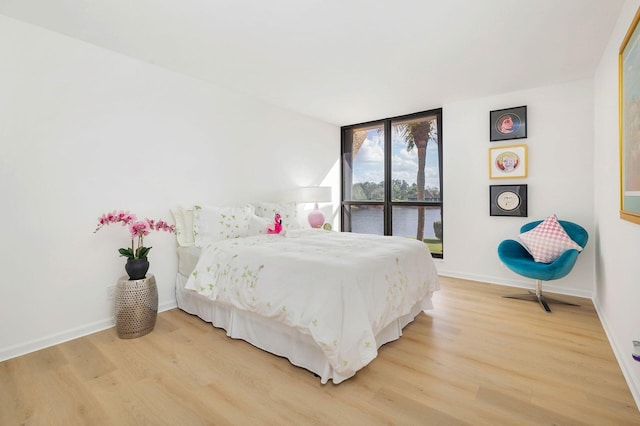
point(340, 288)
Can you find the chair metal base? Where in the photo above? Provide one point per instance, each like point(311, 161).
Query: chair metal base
point(540, 298)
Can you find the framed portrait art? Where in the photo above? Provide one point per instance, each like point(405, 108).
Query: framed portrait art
point(508, 162)
point(509, 123)
point(629, 106)
point(508, 200)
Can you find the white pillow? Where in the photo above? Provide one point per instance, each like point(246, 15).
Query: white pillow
point(184, 226)
point(547, 241)
point(288, 212)
point(258, 225)
point(211, 224)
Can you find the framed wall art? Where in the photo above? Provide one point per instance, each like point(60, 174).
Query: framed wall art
point(508, 200)
point(508, 162)
point(509, 123)
point(629, 110)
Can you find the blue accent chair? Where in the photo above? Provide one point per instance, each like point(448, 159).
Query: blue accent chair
point(518, 259)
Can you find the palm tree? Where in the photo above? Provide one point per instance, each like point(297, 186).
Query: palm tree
point(417, 134)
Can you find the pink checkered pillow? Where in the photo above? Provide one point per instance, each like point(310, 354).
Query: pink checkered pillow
point(547, 241)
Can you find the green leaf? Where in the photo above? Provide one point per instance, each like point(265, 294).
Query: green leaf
point(142, 252)
point(128, 253)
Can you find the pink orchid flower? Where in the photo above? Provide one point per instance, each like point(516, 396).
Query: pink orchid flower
point(137, 229)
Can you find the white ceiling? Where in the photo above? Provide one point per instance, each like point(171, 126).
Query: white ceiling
point(346, 61)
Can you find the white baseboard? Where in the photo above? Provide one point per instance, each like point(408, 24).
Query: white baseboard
point(168, 305)
point(54, 339)
point(65, 336)
point(519, 283)
point(622, 356)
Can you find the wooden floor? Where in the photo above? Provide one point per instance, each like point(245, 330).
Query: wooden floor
point(475, 359)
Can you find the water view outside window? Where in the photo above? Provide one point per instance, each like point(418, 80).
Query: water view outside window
point(392, 178)
point(367, 219)
point(405, 223)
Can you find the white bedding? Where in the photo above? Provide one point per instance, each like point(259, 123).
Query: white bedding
point(341, 289)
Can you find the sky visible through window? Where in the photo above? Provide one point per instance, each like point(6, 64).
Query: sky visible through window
point(370, 157)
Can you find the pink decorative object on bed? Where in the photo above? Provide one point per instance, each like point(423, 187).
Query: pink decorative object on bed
point(276, 226)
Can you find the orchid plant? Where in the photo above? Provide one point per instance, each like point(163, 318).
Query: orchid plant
point(137, 228)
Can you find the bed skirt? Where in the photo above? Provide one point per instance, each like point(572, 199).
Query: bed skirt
point(300, 349)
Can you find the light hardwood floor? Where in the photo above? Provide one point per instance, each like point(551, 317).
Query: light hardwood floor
point(475, 359)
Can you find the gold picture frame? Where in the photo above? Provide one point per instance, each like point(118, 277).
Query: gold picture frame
point(508, 162)
point(629, 122)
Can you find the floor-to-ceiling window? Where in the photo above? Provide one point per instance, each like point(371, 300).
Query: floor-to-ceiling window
point(392, 178)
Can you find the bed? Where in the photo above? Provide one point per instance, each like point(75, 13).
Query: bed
point(324, 300)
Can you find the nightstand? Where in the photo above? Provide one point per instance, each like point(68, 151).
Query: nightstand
point(136, 306)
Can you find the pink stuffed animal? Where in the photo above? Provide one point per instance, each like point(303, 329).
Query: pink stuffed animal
point(276, 226)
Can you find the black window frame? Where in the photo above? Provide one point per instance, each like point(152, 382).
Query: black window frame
point(388, 203)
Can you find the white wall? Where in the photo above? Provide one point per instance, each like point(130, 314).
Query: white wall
point(85, 131)
point(560, 180)
point(617, 294)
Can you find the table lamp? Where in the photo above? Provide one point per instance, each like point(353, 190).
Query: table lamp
point(315, 194)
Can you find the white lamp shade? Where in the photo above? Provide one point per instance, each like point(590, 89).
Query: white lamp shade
point(314, 194)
